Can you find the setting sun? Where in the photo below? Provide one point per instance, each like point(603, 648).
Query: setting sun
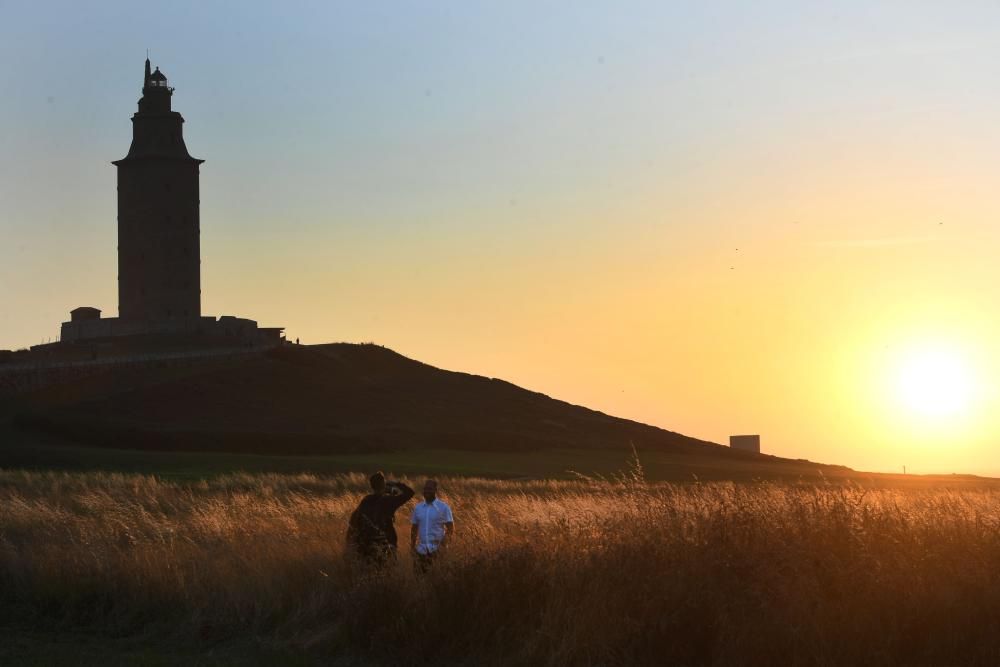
point(935, 382)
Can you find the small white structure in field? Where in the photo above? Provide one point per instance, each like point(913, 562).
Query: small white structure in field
point(748, 443)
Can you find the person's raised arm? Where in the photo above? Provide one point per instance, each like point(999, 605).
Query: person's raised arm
point(405, 493)
point(395, 495)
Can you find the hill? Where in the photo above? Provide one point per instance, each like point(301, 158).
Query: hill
point(339, 399)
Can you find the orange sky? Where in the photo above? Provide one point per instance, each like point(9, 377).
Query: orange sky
point(715, 220)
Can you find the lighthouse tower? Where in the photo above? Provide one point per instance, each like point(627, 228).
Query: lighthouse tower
point(159, 259)
point(159, 249)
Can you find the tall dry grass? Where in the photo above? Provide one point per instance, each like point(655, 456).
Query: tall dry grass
point(582, 572)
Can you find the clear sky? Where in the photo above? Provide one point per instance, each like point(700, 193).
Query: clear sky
point(770, 217)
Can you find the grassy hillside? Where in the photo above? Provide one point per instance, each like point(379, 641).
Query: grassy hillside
point(333, 399)
point(28, 451)
point(32, 451)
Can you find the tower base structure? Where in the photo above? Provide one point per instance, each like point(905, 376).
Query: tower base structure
point(237, 329)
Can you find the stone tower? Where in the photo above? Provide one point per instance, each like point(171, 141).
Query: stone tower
point(159, 248)
point(159, 258)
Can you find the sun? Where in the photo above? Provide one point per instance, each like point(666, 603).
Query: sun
point(935, 382)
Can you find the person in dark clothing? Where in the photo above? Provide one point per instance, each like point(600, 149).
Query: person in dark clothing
point(371, 532)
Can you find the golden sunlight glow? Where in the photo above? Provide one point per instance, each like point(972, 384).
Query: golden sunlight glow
point(935, 382)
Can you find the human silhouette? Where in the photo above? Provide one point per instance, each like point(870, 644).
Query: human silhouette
point(431, 527)
point(370, 532)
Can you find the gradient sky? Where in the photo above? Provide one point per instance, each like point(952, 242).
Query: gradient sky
point(713, 217)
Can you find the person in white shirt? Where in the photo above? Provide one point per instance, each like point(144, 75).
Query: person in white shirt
point(431, 526)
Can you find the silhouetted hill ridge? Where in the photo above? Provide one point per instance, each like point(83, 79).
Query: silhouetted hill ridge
point(333, 398)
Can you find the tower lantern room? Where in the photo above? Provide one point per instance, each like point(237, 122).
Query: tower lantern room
point(156, 92)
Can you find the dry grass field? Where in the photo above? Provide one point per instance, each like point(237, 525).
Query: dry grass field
point(616, 571)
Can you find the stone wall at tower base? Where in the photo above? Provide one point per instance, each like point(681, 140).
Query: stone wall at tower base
point(227, 326)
